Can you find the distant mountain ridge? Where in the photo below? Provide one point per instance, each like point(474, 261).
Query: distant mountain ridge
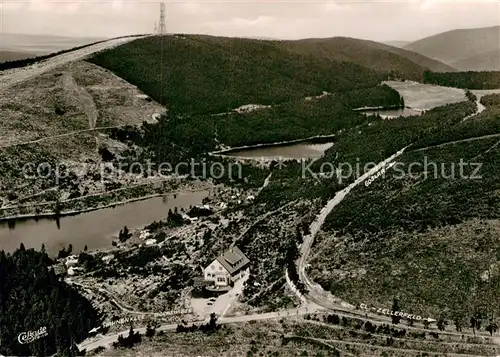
point(466, 49)
point(374, 55)
point(489, 61)
point(14, 55)
point(42, 44)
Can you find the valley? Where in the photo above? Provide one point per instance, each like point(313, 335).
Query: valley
point(108, 189)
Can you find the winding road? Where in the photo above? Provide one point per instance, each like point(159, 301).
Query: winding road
point(316, 293)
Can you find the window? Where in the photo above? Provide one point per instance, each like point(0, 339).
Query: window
point(213, 267)
point(221, 279)
point(220, 268)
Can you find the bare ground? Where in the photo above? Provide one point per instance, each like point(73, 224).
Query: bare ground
point(55, 117)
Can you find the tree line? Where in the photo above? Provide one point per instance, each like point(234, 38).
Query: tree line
point(31, 297)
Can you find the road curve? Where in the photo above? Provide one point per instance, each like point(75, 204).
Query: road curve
point(14, 76)
point(316, 292)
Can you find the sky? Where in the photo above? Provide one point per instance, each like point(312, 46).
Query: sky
point(404, 20)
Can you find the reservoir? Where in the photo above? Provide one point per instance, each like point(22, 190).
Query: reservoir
point(293, 151)
point(94, 229)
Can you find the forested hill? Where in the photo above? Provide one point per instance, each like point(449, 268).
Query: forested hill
point(370, 54)
point(466, 80)
point(206, 74)
point(32, 297)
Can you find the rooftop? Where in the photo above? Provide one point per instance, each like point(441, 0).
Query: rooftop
point(233, 260)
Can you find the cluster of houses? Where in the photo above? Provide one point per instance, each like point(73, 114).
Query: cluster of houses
point(70, 265)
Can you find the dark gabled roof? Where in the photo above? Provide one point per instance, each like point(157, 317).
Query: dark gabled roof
point(233, 260)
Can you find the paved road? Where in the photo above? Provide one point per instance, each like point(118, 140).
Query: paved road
point(11, 77)
point(106, 341)
point(316, 292)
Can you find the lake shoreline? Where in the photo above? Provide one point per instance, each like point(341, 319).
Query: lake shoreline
point(313, 139)
point(32, 216)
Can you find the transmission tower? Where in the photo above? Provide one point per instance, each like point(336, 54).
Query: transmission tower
point(162, 29)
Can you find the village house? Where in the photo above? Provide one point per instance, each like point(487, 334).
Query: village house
point(71, 261)
point(227, 268)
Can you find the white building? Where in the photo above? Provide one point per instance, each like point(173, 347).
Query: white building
point(72, 260)
point(108, 258)
point(144, 234)
point(227, 268)
point(74, 270)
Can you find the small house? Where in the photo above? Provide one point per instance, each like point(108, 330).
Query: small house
point(72, 260)
point(227, 268)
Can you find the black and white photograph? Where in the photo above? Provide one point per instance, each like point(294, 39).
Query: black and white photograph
point(250, 178)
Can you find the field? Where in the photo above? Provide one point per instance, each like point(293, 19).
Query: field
point(425, 96)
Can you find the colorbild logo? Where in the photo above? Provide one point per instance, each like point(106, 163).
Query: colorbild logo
point(30, 336)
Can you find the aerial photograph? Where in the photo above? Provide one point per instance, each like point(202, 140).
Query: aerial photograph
point(254, 178)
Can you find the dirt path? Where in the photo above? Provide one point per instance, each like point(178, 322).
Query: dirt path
point(368, 345)
point(459, 141)
point(84, 99)
point(71, 133)
point(12, 77)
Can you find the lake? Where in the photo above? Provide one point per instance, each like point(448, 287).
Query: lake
point(94, 229)
point(295, 151)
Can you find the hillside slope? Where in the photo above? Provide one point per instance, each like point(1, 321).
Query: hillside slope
point(369, 54)
point(489, 61)
point(205, 74)
point(457, 45)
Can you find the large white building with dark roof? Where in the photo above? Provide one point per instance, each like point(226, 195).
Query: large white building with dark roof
point(228, 267)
